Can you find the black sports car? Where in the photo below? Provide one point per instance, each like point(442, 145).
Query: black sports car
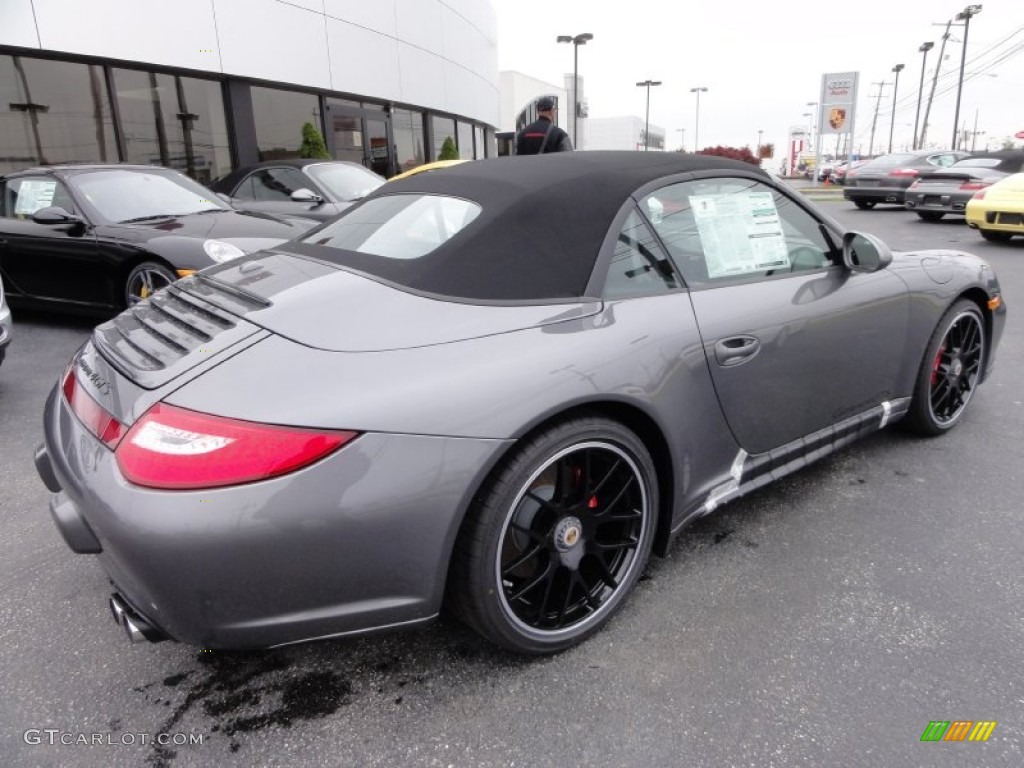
point(885, 179)
point(312, 189)
point(948, 191)
point(101, 237)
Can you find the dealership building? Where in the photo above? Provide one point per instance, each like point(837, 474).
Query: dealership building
point(209, 85)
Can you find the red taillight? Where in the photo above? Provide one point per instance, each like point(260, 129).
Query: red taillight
point(903, 172)
point(978, 195)
point(174, 448)
point(973, 185)
point(101, 424)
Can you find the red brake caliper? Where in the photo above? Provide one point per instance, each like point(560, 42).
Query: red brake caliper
point(935, 365)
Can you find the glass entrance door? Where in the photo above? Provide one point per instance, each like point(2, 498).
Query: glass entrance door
point(359, 135)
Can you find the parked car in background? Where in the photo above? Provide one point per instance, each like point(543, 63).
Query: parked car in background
point(102, 237)
point(426, 168)
point(496, 388)
point(885, 179)
point(948, 191)
point(839, 171)
point(997, 211)
point(5, 322)
point(312, 189)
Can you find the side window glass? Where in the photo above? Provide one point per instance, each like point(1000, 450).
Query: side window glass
point(638, 265)
point(25, 196)
point(726, 229)
point(290, 180)
point(244, 191)
point(268, 188)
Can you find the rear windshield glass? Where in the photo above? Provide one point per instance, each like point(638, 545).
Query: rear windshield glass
point(398, 226)
point(887, 160)
point(978, 162)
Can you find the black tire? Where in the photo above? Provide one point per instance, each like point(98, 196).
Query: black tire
point(144, 280)
point(950, 371)
point(930, 215)
point(995, 237)
point(865, 205)
point(558, 539)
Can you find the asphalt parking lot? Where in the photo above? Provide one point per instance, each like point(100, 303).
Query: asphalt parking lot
point(824, 621)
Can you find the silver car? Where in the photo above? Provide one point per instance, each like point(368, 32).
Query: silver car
point(495, 390)
point(5, 323)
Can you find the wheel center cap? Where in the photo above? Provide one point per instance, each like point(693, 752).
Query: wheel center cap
point(958, 368)
point(568, 534)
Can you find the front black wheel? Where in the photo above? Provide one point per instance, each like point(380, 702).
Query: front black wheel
point(930, 215)
point(144, 280)
point(995, 237)
point(950, 372)
point(865, 205)
point(559, 538)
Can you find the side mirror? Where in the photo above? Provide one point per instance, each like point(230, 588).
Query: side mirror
point(55, 215)
point(225, 198)
point(306, 196)
point(865, 253)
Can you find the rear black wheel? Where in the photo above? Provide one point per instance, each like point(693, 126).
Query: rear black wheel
point(930, 215)
point(865, 205)
point(995, 237)
point(559, 538)
point(950, 372)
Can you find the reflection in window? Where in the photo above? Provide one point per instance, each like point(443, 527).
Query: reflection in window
point(173, 121)
point(444, 128)
point(465, 141)
point(407, 127)
point(53, 112)
point(638, 266)
point(279, 117)
point(272, 185)
point(478, 142)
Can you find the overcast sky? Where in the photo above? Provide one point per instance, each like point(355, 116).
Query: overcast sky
point(762, 63)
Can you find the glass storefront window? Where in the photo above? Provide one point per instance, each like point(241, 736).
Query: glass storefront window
point(173, 121)
point(407, 127)
point(444, 127)
point(279, 117)
point(465, 140)
point(478, 142)
point(53, 112)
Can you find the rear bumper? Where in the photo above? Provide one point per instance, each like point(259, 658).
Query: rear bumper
point(875, 194)
point(938, 203)
point(358, 542)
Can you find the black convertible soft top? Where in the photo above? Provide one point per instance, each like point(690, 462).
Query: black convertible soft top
point(543, 220)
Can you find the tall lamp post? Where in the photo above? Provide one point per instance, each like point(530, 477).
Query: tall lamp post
point(760, 131)
point(925, 47)
point(576, 41)
point(682, 139)
point(696, 123)
point(892, 120)
point(647, 121)
point(964, 16)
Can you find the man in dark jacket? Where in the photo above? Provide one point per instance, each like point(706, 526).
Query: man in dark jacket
point(542, 135)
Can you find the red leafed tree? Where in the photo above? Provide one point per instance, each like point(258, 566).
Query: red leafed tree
point(734, 153)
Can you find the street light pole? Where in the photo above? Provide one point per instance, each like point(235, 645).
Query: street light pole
point(576, 41)
point(696, 123)
point(964, 16)
point(895, 88)
point(647, 123)
point(925, 47)
point(682, 139)
point(760, 131)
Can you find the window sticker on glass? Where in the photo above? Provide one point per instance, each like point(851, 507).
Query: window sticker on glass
point(34, 195)
point(740, 232)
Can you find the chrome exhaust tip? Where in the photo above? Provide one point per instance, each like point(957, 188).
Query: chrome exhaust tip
point(137, 628)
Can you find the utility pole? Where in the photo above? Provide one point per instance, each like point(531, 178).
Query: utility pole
point(878, 103)
point(935, 79)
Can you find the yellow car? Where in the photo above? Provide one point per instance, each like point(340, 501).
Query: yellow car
point(997, 212)
point(426, 167)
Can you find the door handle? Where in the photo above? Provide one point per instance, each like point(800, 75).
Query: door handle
point(736, 349)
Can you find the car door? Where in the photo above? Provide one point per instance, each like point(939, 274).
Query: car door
point(795, 341)
point(269, 190)
point(47, 261)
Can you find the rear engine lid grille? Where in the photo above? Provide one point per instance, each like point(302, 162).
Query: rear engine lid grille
point(166, 335)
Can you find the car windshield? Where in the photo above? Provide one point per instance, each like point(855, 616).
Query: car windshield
point(123, 195)
point(345, 182)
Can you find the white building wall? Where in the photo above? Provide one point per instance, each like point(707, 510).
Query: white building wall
point(619, 133)
point(437, 54)
point(519, 91)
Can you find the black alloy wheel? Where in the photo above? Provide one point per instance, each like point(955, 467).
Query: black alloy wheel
point(951, 370)
point(146, 279)
point(560, 539)
point(865, 205)
point(930, 215)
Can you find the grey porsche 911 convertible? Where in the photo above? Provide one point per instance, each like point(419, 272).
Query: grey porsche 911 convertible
point(495, 389)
